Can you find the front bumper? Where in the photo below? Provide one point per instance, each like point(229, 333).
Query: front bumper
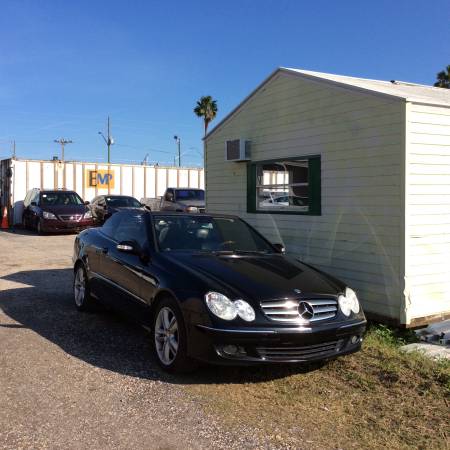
point(243, 346)
point(57, 225)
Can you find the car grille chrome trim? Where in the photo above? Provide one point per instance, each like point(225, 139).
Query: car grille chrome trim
point(300, 352)
point(71, 217)
point(285, 310)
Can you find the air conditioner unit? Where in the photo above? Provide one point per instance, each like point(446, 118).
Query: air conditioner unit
point(237, 150)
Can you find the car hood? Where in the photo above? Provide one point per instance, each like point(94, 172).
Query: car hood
point(197, 203)
point(65, 209)
point(119, 208)
point(258, 277)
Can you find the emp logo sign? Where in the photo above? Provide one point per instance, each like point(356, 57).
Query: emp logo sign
point(100, 178)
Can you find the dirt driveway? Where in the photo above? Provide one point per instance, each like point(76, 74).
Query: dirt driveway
point(73, 380)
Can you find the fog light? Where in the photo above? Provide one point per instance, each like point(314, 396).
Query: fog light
point(354, 339)
point(230, 349)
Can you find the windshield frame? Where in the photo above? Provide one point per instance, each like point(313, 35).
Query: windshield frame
point(75, 194)
point(190, 199)
point(157, 214)
point(120, 197)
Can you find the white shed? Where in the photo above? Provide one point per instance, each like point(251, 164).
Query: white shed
point(353, 176)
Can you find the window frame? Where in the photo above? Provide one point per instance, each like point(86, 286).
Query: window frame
point(314, 183)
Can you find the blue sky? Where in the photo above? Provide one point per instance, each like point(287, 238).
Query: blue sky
point(66, 65)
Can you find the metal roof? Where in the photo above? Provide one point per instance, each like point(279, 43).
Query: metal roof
point(412, 92)
point(402, 90)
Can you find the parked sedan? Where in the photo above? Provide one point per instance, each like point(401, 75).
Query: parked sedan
point(54, 211)
point(104, 206)
point(211, 288)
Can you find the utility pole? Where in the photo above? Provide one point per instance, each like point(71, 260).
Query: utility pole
point(109, 140)
point(62, 142)
point(178, 141)
point(14, 149)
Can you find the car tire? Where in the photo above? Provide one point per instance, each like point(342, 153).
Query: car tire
point(39, 227)
point(25, 224)
point(170, 339)
point(81, 291)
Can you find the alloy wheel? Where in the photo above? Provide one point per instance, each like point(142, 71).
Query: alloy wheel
point(166, 335)
point(79, 287)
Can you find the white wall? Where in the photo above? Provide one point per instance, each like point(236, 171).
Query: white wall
point(138, 181)
point(427, 262)
point(360, 137)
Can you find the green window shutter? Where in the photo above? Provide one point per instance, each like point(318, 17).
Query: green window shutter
point(315, 186)
point(251, 188)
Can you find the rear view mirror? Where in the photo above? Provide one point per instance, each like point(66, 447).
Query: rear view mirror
point(33, 204)
point(280, 248)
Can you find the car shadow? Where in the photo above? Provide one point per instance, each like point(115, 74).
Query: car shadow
point(20, 231)
point(104, 339)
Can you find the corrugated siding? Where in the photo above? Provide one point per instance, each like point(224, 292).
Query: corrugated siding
point(360, 139)
point(428, 211)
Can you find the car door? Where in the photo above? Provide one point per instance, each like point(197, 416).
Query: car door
point(169, 200)
point(34, 208)
point(124, 270)
point(100, 206)
point(26, 204)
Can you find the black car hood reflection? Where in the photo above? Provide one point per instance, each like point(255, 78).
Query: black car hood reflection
point(257, 276)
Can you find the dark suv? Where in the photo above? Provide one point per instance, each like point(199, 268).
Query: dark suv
point(55, 210)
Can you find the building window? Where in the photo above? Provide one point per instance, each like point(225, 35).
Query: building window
point(284, 186)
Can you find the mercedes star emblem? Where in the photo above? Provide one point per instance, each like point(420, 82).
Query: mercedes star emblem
point(305, 310)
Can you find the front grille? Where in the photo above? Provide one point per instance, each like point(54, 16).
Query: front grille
point(284, 310)
point(72, 217)
point(304, 352)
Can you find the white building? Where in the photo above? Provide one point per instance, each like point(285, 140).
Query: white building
point(353, 176)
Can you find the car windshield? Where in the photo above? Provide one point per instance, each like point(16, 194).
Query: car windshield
point(207, 234)
point(189, 194)
point(60, 199)
point(122, 202)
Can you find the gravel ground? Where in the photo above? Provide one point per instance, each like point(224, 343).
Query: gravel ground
point(77, 380)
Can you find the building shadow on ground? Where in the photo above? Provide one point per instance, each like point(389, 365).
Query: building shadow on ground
point(102, 338)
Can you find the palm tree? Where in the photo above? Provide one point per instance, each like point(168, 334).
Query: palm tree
point(206, 108)
point(443, 79)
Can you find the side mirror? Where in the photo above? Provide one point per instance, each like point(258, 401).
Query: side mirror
point(133, 248)
point(127, 247)
point(169, 197)
point(33, 204)
point(280, 248)
point(86, 202)
point(147, 207)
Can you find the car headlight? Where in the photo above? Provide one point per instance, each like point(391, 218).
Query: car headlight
point(244, 310)
point(222, 307)
point(48, 215)
point(349, 302)
point(87, 215)
point(192, 209)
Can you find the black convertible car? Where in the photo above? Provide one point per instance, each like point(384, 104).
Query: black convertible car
point(212, 288)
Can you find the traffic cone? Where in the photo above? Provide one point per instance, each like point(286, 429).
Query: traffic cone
point(4, 225)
